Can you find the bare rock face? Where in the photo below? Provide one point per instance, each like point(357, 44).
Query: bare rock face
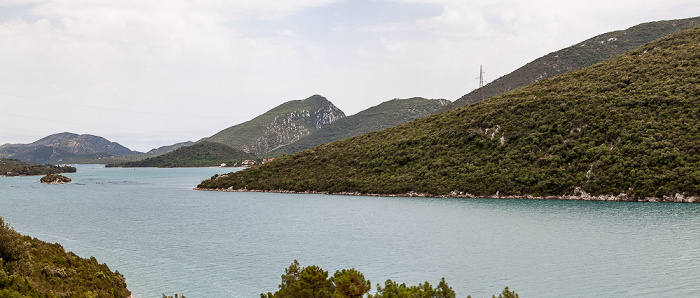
point(280, 126)
point(55, 179)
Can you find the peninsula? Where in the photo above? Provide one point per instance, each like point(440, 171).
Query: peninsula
point(624, 129)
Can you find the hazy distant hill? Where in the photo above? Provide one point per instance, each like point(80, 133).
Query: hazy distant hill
point(204, 154)
point(387, 114)
point(586, 53)
point(624, 129)
point(169, 148)
point(64, 148)
point(280, 126)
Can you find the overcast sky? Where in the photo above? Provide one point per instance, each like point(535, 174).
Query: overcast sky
point(150, 73)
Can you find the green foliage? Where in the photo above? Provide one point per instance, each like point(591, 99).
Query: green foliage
point(350, 283)
point(507, 294)
point(280, 126)
point(393, 290)
point(313, 281)
point(584, 54)
point(10, 245)
point(16, 167)
point(629, 125)
point(29, 267)
point(310, 281)
point(204, 154)
point(387, 114)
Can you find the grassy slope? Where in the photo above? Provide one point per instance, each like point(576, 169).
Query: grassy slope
point(204, 154)
point(628, 125)
point(33, 268)
point(280, 126)
point(387, 114)
point(586, 53)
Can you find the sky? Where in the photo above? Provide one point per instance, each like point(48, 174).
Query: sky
point(149, 73)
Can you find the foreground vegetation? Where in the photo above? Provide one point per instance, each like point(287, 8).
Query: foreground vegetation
point(312, 281)
point(624, 129)
point(16, 167)
point(32, 268)
point(204, 154)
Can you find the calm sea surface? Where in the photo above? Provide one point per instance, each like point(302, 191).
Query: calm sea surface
point(167, 238)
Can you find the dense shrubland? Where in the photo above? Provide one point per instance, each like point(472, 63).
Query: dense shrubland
point(628, 125)
point(32, 268)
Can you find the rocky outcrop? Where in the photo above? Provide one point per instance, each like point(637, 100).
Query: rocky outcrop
point(55, 179)
point(283, 125)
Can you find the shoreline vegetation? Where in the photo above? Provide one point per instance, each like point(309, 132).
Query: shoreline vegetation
point(579, 196)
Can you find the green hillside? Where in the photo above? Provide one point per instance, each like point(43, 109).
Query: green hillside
point(280, 126)
point(627, 128)
point(15, 167)
point(583, 54)
point(33, 268)
point(387, 114)
point(204, 154)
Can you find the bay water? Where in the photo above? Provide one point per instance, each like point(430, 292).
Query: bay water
point(165, 237)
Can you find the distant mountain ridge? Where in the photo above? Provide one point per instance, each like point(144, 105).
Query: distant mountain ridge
point(282, 125)
point(387, 114)
point(64, 148)
point(583, 54)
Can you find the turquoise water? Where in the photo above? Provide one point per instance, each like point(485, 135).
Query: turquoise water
point(166, 238)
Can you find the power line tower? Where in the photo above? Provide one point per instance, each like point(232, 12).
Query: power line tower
point(481, 83)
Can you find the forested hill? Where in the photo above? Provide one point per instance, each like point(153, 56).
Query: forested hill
point(583, 54)
point(624, 129)
point(280, 126)
point(204, 154)
point(387, 114)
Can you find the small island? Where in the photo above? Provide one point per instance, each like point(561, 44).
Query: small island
point(16, 167)
point(55, 179)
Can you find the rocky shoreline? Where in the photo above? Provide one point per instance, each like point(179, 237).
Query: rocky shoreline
point(579, 195)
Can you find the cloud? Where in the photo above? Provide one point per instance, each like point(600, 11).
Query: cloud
point(224, 62)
